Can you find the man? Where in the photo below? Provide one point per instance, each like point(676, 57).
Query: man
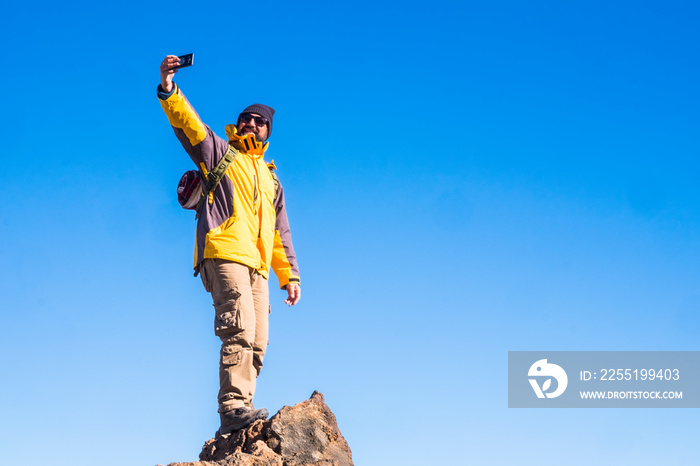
point(242, 231)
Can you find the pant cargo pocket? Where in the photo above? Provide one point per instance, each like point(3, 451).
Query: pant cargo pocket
point(231, 356)
point(228, 317)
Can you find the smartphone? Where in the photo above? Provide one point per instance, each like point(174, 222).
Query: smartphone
point(186, 60)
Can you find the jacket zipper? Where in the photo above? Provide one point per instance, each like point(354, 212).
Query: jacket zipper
point(256, 191)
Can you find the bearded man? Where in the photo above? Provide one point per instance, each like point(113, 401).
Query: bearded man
point(242, 232)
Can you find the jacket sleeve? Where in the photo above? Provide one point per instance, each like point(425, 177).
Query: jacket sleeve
point(284, 260)
point(203, 146)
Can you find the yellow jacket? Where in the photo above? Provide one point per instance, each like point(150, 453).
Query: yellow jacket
point(242, 221)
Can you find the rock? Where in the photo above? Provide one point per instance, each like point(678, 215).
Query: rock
point(308, 434)
point(304, 434)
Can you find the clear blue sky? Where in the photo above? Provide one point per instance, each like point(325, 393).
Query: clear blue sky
point(464, 179)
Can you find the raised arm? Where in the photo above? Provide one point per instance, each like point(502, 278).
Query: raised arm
point(203, 146)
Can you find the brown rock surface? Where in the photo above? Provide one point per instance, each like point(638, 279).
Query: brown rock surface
point(304, 434)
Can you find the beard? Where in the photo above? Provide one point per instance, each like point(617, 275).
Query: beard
point(254, 131)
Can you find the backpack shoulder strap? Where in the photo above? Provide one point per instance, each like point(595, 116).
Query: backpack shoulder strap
point(213, 178)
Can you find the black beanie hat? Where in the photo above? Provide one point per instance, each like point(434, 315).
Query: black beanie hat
point(262, 110)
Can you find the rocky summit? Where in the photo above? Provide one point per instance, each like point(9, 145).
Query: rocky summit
point(303, 434)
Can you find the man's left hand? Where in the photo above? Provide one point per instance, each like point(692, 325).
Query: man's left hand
point(293, 294)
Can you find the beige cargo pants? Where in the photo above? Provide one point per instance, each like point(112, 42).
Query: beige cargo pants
point(242, 307)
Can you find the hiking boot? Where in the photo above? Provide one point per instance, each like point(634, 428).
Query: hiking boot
point(240, 418)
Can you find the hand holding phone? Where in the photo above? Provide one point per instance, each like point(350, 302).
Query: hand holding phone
point(170, 65)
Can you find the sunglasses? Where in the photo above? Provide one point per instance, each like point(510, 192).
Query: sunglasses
point(257, 120)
